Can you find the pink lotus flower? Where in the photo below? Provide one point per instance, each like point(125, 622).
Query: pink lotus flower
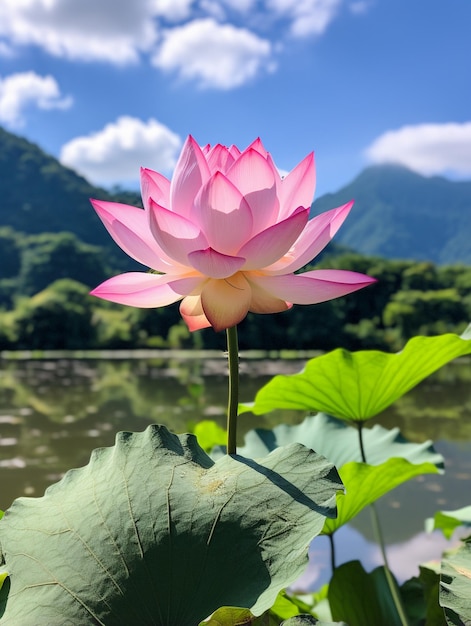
point(225, 237)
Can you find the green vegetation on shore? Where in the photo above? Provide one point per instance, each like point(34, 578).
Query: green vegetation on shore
point(45, 304)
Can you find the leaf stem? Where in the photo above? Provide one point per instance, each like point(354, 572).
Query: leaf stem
point(360, 439)
point(380, 541)
point(332, 552)
point(233, 399)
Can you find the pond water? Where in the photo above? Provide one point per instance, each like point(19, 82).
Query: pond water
point(54, 411)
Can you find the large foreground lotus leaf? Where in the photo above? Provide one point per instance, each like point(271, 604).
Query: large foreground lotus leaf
point(339, 442)
point(364, 484)
point(455, 586)
point(359, 385)
point(152, 531)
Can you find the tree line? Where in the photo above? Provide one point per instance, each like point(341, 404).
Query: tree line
point(45, 304)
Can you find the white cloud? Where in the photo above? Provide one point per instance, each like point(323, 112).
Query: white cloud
point(114, 154)
point(200, 40)
point(307, 17)
point(426, 148)
point(215, 55)
point(106, 30)
point(172, 10)
point(20, 91)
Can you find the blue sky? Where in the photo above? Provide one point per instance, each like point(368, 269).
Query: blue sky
point(110, 85)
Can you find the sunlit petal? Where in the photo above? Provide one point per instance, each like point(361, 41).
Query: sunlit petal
point(191, 172)
point(274, 242)
point(192, 312)
point(219, 159)
point(155, 186)
point(314, 238)
point(297, 188)
point(258, 146)
point(265, 302)
point(146, 290)
point(129, 228)
point(254, 177)
point(223, 215)
point(226, 302)
point(176, 235)
point(214, 264)
point(312, 287)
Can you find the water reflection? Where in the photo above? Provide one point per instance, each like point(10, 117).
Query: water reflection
point(54, 412)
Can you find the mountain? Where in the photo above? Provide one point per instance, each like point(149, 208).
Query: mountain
point(400, 214)
point(38, 194)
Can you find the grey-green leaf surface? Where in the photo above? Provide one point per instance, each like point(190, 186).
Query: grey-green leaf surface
point(338, 441)
point(152, 531)
point(455, 585)
point(359, 385)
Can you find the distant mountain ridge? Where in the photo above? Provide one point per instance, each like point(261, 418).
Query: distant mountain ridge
point(401, 214)
point(38, 194)
point(397, 213)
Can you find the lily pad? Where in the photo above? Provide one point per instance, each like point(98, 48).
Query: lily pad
point(309, 620)
point(361, 598)
point(338, 442)
point(420, 598)
point(364, 484)
point(448, 521)
point(455, 585)
point(359, 385)
point(234, 616)
point(209, 434)
point(152, 531)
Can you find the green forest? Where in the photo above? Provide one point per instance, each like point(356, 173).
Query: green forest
point(45, 304)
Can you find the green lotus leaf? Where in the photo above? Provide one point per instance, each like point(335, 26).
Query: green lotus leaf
point(338, 442)
point(228, 616)
point(287, 606)
point(4, 590)
point(209, 434)
point(307, 620)
point(420, 598)
point(364, 484)
point(448, 521)
point(361, 598)
point(233, 616)
point(359, 385)
point(152, 531)
point(455, 585)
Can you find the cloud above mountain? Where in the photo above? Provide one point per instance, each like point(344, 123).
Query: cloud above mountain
point(20, 91)
point(426, 148)
point(114, 154)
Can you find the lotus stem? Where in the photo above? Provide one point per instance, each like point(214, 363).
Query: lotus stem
point(332, 552)
point(233, 400)
point(380, 541)
point(360, 439)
